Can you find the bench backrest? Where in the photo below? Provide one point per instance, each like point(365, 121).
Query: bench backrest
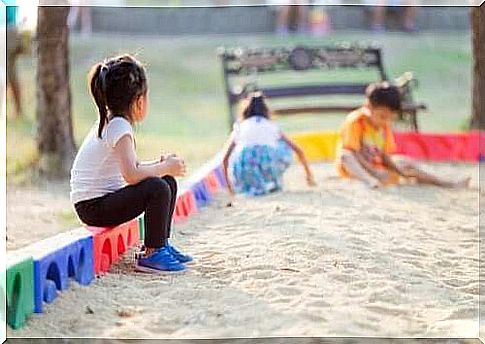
point(241, 62)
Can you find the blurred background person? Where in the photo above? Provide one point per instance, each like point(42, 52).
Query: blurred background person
point(80, 10)
point(14, 49)
point(319, 19)
point(285, 10)
point(406, 9)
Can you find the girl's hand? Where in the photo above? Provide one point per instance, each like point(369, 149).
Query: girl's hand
point(164, 157)
point(175, 166)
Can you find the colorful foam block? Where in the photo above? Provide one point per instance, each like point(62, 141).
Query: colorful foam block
point(466, 146)
point(185, 206)
point(110, 242)
point(18, 288)
point(58, 259)
point(201, 194)
point(219, 173)
point(317, 145)
point(439, 146)
point(211, 182)
point(141, 227)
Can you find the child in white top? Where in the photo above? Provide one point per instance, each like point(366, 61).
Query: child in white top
point(258, 152)
point(109, 186)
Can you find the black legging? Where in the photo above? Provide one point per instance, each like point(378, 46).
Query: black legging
point(154, 196)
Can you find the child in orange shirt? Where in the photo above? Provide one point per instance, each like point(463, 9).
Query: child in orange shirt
point(366, 144)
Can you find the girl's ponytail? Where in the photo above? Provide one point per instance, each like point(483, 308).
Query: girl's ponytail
point(97, 81)
point(256, 106)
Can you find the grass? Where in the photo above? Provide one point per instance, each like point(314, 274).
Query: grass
point(188, 112)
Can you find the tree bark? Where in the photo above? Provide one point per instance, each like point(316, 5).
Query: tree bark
point(55, 141)
point(478, 37)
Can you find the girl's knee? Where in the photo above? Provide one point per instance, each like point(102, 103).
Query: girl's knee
point(157, 186)
point(171, 181)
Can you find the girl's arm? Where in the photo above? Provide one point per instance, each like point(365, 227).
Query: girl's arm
point(225, 162)
point(134, 172)
point(148, 163)
point(301, 156)
point(153, 162)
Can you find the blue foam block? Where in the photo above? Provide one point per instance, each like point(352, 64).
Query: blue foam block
point(53, 270)
point(220, 176)
point(201, 194)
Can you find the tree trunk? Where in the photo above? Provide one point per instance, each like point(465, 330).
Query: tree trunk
point(55, 141)
point(478, 36)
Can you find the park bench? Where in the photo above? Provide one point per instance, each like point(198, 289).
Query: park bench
point(242, 67)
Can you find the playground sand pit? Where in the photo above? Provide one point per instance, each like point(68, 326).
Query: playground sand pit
point(336, 260)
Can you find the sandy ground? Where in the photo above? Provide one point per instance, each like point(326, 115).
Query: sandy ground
point(266, 340)
point(37, 212)
point(337, 260)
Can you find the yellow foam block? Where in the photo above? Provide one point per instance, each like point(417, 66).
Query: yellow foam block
point(317, 146)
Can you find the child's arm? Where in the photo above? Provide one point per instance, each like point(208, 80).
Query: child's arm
point(225, 162)
point(134, 172)
point(301, 156)
point(389, 163)
point(362, 159)
point(148, 163)
point(364, 162)
point(153, 162)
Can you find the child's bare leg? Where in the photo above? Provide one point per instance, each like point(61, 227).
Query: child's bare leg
point(422, 177)
point(354, 167)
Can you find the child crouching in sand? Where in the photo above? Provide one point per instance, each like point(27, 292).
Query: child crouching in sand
point(366, 144)
point(260, 152)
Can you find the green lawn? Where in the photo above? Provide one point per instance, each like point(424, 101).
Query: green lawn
point(188, 112)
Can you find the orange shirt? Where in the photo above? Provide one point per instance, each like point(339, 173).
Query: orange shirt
point(358, 134)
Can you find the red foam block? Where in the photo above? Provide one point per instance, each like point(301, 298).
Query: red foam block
point(439, 147)
point(109, 243)
point(185, 206)
point(211, 182)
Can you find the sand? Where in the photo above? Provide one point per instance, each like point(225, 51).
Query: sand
point(336, 260)
point(37, 212)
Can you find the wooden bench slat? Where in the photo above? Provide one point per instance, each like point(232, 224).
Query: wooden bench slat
point(407, 108)
point(313, 109)
point(314, 90)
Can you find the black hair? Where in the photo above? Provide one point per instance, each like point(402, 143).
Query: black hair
point(115, 84)
point(256, 106)
point(384, 94)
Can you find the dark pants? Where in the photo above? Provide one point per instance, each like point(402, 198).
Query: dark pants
point(154, 196)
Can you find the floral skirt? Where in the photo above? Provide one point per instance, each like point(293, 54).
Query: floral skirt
point(258, 169)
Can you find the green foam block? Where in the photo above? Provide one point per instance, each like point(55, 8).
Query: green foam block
point(19, 289)
point(141, 227)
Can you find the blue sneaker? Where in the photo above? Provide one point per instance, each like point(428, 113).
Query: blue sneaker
point(160, 260)
point(181, 257)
